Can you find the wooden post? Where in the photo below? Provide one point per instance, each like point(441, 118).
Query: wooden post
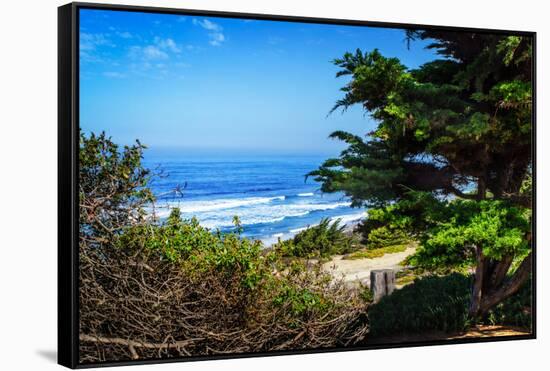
point(382, 283)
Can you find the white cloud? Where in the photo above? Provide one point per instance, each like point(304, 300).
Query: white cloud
point(215, 31)
point(208, 25)
point(156, 58)
point(167, 44)
point(90, 41)
point(153, 52)
point(160, 49)
point(90, 44)
point(216, 39)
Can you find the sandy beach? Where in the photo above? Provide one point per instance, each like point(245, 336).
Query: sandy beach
point(355, 271)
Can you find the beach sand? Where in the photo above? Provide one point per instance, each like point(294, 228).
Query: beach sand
point(357, 271)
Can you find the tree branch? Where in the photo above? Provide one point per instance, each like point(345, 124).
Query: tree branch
point(132, 344)
point(459, 193)
point(499, 273)
point(478, 283)
point(510, 287)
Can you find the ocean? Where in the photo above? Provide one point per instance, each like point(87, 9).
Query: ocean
point(268, 193)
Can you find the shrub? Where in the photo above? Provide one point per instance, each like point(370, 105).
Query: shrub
point(430, 303)
point(179, 289)
point(112, 186)
point(151, 289)
point(322, 240)
point(198, 250)
point(382, 229)
point(385, 236)
point(437, 303)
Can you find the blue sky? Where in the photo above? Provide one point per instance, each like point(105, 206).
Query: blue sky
point(214, 85)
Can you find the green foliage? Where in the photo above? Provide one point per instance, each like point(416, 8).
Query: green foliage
point(430, 303)
point(147, 280)
point(385, 236)
point(450, 240)
point(376, 252)
point(404, 279)
point(300, 300)
point(511, 49)
point(112, 185)
point(322, 240)
point(365, 171)
point(366, 294)
point(527, 185)
point(436, 303)
point(199, 250)
point(367, 70)
point(449, 230)
point(401, 221)
point(463, 118)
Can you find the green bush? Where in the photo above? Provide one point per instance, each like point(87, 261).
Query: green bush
point(437, 303)
point(430, 303)
point(176, 278)
point(163, 283)
point(199, 250)
point(322, 240)
point(382, 229)
point(113, 186)
point(385, 236)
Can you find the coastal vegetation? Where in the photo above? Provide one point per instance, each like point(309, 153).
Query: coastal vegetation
point(371, 253)
point(440, 303)
point(321, 241)
point(152, 288)
point(447, 170)
point(450, 160)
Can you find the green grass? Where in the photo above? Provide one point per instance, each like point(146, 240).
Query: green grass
point(405, 280)
point(376, 253)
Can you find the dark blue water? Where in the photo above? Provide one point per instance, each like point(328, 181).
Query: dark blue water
point(268, 193)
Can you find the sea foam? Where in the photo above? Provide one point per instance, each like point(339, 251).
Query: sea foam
point(255, 210)
point(219, 204)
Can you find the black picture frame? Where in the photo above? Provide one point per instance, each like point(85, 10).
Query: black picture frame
point(68, 146)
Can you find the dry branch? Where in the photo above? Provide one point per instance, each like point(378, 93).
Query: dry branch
point(137, 305)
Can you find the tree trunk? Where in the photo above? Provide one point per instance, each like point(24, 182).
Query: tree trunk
point(509, 287)
point(490, 287)
point(481, 188)
point(475, 301)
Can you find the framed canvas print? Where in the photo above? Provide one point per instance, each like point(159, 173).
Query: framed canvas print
point(235, 185)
